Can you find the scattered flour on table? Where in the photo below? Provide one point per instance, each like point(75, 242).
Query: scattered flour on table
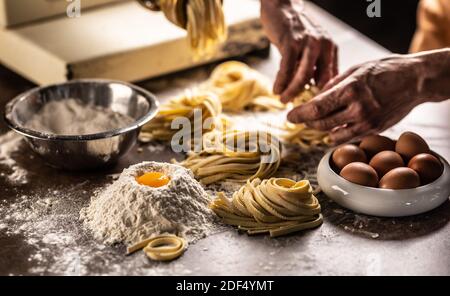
point(73, 117)
point(10, 144)
point(49, 234)
point(129, 212)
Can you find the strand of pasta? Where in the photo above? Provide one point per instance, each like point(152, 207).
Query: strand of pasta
point(303, 136)
point(236, 156)
point(183, 106)
point(276, 206)
point(205, 26)
point(300, 134)
point(204, 21)
point(161, 247)
point(240, 87)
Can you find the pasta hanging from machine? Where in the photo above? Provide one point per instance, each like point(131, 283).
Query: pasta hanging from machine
point(204, 21)
point(205, 26)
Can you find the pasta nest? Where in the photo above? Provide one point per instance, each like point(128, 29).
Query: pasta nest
point(189, 105)
point(240, 87)
point(277, 206)
point(235, 156)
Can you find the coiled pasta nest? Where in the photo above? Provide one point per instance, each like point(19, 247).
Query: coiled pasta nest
point(240, 87)
point(201, 109)
point(236, 156)
point(276, 206)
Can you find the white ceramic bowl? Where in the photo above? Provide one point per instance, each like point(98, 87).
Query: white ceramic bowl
point(383, 202)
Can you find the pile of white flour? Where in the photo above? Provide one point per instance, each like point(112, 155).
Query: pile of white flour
point(129, 212)
point(73, 117)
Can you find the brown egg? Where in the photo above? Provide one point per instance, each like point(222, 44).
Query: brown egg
point(348, 153)
point(410, 144)
point(427, 166)
point(400, 178)
point(360, 173)
point(385, 161)
point(374, 144)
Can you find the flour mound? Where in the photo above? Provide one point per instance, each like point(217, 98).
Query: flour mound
point(129, 212)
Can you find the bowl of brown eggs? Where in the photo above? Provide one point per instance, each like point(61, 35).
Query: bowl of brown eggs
point(383, 177)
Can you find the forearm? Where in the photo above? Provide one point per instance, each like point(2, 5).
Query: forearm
point(282, 2)
point(288, 6)
point(434, 73)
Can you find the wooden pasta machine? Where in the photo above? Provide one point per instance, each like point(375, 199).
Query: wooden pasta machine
point(114, 39)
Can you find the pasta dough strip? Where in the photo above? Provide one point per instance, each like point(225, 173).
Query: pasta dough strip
point(161, 247)
point(140, 245)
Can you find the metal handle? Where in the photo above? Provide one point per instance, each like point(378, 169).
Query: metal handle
point(150, 4)
point(174, 10)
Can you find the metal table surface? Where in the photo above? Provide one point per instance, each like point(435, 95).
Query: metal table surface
point(40, 232)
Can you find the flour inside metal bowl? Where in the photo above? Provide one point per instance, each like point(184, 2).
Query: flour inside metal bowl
point(73, 117)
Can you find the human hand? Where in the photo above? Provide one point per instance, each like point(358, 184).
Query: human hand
point(307, 52)
point(366, 99)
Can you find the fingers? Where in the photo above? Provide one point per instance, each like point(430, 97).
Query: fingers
point(304, 72)
point(335, 61)
point(326, 64)
point(333, 121)
point(287, 68)
point(351, 132)
point(321, 106)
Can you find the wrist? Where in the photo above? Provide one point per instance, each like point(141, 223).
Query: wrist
point(433, 74)
point(297, 4)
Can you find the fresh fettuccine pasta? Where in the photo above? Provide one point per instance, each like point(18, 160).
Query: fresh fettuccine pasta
point(303, 136)
point(205, 26)
point(276, 206)
point(300, 134)
point(204, 21)
point(189, 105)
point(161, 247)
point(235, 156)
point(240, 87)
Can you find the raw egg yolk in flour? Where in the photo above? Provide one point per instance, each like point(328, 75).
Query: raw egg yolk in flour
point(153, 179)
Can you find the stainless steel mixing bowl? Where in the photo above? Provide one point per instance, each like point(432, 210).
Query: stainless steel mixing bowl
point(82, 152)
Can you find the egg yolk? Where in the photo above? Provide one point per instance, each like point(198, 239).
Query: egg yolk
point(153, 179)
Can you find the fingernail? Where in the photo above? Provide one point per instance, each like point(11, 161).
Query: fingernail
point(276, 90)
point(292, 117)
point(284, 100)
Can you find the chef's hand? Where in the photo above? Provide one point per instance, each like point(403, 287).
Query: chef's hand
point(373, 96)
point(306, 50)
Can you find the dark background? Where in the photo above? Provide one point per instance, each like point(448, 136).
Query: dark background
point(394, 30)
